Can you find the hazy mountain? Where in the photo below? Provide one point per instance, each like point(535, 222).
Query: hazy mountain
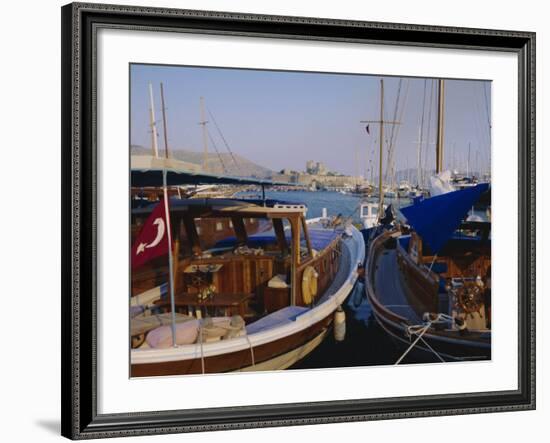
point(223, 163)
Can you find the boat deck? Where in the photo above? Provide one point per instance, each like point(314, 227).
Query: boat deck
point(389, 287)
point(390, 292)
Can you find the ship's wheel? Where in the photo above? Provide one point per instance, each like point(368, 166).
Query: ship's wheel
point(469, 297)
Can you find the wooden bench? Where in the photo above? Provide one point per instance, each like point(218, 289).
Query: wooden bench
point(238, 301)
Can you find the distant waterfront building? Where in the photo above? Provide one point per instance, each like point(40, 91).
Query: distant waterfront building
point(316, 168)
point(317, 174)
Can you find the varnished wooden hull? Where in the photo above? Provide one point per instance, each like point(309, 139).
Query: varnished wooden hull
point(272, 347)
point(239, 360)
point(450, 345)
point(421, 289)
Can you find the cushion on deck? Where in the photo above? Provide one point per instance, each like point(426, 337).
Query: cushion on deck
point(186, 333)
point(278, 281)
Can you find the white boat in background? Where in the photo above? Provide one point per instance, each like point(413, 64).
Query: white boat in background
point(368, 213)
point(390, 193)
point(403, 190)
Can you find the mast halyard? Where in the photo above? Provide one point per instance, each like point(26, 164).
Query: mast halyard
point(203, 123)
point(166, 153)
point(380, 187)
point(168, 222)
point(468, 161)
point(418, 157)
point(440, 127)
point(154, 134)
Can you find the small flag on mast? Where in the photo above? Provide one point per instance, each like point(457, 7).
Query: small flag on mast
point(152, 240)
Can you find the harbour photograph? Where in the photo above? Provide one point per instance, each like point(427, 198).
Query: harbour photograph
point(289, 220)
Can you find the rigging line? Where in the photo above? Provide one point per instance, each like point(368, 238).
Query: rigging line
point(484, 136)
point(484, 130)
point(392, 131)
point(224, 140)
point(421, 141)
point(490, 126)
point(403, 105)
point(217, 151)
point(483, 85)
point(430, 107)
point(476, 115)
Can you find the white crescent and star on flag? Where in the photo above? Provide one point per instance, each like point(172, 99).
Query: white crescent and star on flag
point(161, 228)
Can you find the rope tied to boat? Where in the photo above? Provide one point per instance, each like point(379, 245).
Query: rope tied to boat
point(236, 325)
point(202, 350)
point(419, 331)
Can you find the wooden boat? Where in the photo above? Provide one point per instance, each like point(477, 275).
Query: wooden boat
point(431, 277)
point(284, 284)
point(211, 230)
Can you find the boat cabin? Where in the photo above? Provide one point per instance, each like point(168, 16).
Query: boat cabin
point(233, 257)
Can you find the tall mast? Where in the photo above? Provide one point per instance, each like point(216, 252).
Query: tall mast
point(168, 221)
point(418, 160)
point(154, 134)
point(381, 122)
point(380, 190)
point(166, 154)
point(440, 129)
point(204, 137)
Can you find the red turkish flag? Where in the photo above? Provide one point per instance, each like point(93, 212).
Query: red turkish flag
point(152, 240)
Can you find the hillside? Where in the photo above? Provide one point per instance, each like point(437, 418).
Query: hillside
point(222, 164)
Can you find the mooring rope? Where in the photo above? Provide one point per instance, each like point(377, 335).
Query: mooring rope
point(420, 330)
point(202, 351)
point(227, 328)
point(251, 350)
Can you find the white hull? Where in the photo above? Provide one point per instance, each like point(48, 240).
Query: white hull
point(287, 360)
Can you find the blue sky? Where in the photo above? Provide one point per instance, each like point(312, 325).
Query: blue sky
point(281, 119)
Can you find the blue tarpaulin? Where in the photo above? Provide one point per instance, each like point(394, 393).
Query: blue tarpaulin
point(437, 218)
point(320, 239)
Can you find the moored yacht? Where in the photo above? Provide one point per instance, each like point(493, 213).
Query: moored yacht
point(429, 279)
point(248, 301)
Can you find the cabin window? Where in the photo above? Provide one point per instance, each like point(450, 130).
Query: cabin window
point(219, 226)
point(230, 224)
point(374, 210)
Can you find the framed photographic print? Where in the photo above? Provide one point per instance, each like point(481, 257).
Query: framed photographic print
point(252, 202)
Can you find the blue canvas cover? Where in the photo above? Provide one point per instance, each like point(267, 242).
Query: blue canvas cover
point(437, 218)
point(320, 239)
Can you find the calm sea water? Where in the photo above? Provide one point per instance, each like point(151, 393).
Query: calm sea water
point(335, 202)
point(366, 344)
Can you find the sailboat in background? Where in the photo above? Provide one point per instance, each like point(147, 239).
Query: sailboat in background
point(248, 285)
point(440, 301)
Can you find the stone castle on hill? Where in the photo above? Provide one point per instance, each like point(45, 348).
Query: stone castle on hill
point(317, 174)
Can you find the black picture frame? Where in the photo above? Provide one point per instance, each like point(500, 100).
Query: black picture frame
point(80, 22)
